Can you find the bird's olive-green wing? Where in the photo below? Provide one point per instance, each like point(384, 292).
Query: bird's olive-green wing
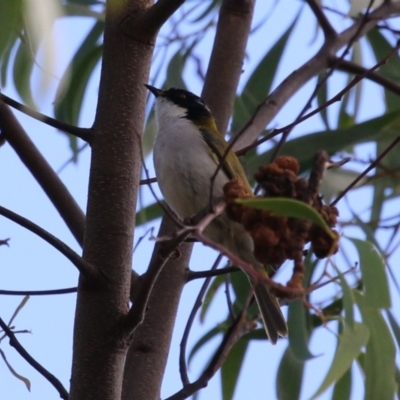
point(230, 162)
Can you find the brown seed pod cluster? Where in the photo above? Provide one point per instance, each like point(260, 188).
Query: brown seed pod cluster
point(276, 238)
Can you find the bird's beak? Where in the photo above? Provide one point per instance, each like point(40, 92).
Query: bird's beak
point(155, 91)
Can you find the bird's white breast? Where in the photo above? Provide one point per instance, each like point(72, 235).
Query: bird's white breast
point(183, 165)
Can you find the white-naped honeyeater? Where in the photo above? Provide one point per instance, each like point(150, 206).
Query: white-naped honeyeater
point(187, 151)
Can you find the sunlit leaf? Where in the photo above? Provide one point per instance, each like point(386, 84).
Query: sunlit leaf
point(375, 283)
point(287, 208)
point(290, 368)
point(231, 368)
point(351, 341)
point(298, 330)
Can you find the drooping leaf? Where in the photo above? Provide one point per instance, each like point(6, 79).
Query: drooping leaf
point(287, 208)
point(70, 92)
point(351, 341)
point(10, 24)
point(342, 389)
point(322, 98)
point(348, 300)
point(395, 327)
point(290, 376)
point(375, 283)
point(381, 48)
point(298, 330)
point(230, 369)
point(22, 70)
point(378, 363)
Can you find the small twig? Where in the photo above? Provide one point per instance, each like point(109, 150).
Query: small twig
point(82, 133)
point(189, 323)
point(192, 275)
point(147, 181)
point(31, 361)
point(365, 172)
point(334, 99)
point(37, 292)
point(231, 336)
point(84, 268)
point(137, 312)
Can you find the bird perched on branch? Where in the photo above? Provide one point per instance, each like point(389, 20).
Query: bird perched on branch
point(187, 151)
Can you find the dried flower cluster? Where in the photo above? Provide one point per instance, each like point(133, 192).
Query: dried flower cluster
point(276, 238)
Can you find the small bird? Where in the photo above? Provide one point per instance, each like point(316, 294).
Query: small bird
point(187, 150)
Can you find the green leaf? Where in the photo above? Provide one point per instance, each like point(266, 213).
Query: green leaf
point(241, 287)
point(348, 300)
point(322, 98)
point(71, 90)
point(351, 341)
point(287, 208)
point(175, 70)
point(395, 327)
point(205, 339)
point(332, 141)
point(10, 23)
point(375, 283)
point(217, 282)
point(148, 213)
point(342, 389)
point(259, 84)
point(23, 66)
point(298, 330)
point(231, 368)
point(381, 48)
point(290, 370)
point(379, 364)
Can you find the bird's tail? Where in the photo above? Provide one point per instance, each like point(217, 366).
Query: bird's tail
point(271, 314)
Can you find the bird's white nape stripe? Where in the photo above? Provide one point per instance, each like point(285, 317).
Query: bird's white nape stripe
point(166, 110)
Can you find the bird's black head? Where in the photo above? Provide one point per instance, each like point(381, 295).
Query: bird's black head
point(195, 106)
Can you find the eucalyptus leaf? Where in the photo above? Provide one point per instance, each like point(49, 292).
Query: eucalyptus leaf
point(375, 283)
point(351, 341)
point(298, 330)
point(289, 368)
point(378, 363)
point(230, 369)
point(287, 208)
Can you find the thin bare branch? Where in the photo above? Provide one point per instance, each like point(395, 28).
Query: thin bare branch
point(267, 110)
point(365, 172)
point(192, 275)
point(189, 323)
point(353, 68)
point(86, 269)
point(37, 292)
point(326, 26)
point(145, 25)
point(82, 133)
point(31, 361)
point(52, 185)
